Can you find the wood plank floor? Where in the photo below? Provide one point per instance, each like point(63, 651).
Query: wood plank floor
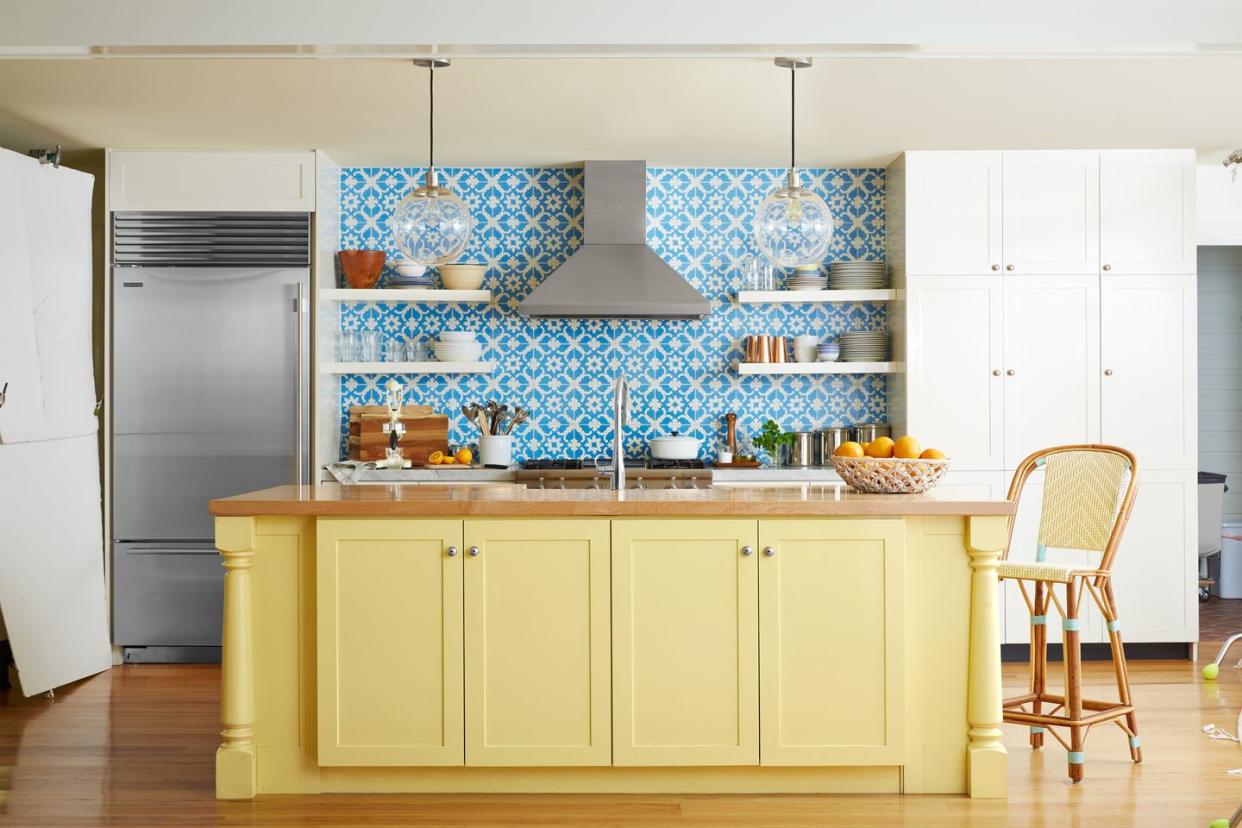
point(134, 747)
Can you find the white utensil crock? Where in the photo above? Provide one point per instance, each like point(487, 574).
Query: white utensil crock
point(496, 450)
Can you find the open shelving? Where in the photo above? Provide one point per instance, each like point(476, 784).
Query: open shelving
point(769, 368)
point(394, 295)
point(770, 297)
point(429, 367)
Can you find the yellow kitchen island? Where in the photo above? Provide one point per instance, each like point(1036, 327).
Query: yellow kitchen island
point(471, 639)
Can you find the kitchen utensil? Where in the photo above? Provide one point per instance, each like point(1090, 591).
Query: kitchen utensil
point(361, 268)
point(369, 349)
point(674, 447)
point(866, 432)
point(802, 450)
point(519, 415)
point(496, 450)
point(425, 432)
point(461, 276)
point(778, 350)
point(731, 434)
point(829, 439)
point(805, 348)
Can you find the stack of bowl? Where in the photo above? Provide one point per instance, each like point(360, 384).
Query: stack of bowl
point(457, 346)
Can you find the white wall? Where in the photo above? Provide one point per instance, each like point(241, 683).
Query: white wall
point(1220, 369)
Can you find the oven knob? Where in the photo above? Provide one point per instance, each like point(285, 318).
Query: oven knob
point(540, 486)
point(672, 483)
point(694, 482)
point(560, 483)
point(639, 483)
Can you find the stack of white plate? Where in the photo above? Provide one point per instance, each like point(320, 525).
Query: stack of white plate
point(864, 346)
point(457, 346)
point(807, 277)
point(858, 275)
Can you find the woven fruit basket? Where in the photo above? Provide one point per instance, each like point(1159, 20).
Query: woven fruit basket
point(891, 475)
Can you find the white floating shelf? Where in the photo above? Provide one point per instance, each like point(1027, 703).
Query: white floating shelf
point(403, 296)
point(821, 367)
point(407, 367)
point(768, 297)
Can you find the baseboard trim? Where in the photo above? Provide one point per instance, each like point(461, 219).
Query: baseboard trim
point(1103, 652)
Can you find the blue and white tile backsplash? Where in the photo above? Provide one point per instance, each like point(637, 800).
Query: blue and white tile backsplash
point(528, 221)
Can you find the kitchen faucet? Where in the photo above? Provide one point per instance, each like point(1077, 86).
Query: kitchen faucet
point(620, 416)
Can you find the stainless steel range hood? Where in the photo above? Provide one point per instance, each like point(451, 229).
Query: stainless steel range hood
point(615, 274)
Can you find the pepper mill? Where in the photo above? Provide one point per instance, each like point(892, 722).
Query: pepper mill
point(731, 438)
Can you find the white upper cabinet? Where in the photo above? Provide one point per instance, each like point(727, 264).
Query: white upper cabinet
point(1051, 212)
point(211, 181)
point(953, 206)
point(954, 367)
point(1147, 212)
point(1052, 363)
point(1148, 359)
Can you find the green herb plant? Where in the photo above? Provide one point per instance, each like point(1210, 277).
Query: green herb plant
point(770, 438)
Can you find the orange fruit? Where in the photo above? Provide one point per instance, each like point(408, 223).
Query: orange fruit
point(448, 460)
point(435, 458)
point(464, 456)
point(932, 454)
point(906, 447)
point(880, 447)
point(849, 449)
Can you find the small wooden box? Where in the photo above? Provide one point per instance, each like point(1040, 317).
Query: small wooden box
point(425, 432)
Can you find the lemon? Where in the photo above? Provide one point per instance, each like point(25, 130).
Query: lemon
point(906, 447)
point(880, 447)
point(435, 458)
point(849, 449)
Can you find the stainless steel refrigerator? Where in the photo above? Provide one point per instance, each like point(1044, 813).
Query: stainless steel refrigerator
point(210, 398)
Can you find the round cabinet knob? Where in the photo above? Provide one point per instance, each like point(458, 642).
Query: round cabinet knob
point(748, 551)
point(1009, 268)
point(995, 268)
point(1107, 268)
point(996, 372)
point(1108, 372)
point(474, 551)
point(1010, 372)
point(769, 551)
point(452, 551)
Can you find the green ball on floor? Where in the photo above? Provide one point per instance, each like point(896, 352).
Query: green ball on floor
point(1218, 823)
point(1210, 672)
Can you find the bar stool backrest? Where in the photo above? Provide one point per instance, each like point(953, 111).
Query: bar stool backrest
point(1088, 495)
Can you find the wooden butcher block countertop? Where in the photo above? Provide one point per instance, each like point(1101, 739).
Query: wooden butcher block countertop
point(334, 499)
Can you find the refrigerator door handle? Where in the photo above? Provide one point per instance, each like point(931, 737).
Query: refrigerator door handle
point(298, 391)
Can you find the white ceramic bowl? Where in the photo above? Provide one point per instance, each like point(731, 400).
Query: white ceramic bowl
point(459, 336)
point(409, 270)
point(458, 351)
point(462, 276)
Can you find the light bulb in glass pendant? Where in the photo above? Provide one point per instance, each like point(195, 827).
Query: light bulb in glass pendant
point(793, 225)
point(431, 225)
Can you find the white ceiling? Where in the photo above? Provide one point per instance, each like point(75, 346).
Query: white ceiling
point(687, 111)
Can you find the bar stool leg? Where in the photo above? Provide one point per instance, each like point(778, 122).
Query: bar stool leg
point(1120, 668)
point(1039, 659)
point(1073, 679)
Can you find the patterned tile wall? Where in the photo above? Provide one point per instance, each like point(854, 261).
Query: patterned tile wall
point(528, 221)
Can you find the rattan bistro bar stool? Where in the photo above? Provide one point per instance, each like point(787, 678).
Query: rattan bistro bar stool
point(1088, 494)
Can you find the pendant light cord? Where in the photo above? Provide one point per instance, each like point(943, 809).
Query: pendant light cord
point(793, 117)
point(431, 116)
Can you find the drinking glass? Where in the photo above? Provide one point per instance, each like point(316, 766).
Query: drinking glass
point(394, 350)
point(369, 348)
point(417, 349)
point(347, 345)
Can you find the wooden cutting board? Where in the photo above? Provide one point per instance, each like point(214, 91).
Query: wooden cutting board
point(425, 432)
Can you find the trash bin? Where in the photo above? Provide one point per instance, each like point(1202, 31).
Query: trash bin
point(1211, 505)
point(1227, 567)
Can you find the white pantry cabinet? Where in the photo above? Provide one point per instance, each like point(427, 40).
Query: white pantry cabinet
point(954, 367)
point(953, 207)
point(1149, 360)
point(1052, 357)
point(1147, 212)
point(1050, 208)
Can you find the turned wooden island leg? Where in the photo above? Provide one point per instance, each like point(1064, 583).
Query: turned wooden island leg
point(236, 771)
point(987, 762)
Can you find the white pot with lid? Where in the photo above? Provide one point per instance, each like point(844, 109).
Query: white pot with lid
point(675, 447)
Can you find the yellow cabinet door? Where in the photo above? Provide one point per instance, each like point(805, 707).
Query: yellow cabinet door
point(389, 641)
point(685, 655)
point(537, 643)
point(831, 604)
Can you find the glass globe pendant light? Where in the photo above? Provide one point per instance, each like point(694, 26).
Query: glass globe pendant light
point(431, 225)
point(793, 225)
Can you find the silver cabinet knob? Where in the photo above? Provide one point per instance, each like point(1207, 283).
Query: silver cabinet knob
point(769, 551)
point(1107, 268)
point(1009, 267)
point(1108, 372)
point(748, 551)
point(996, 372)
point(1010, 372)
point(452, 551)
point(995, 268)
point(474, 551)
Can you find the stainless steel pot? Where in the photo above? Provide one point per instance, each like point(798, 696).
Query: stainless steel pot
point(803, 449)
point(866, 432)
point(829, 439)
